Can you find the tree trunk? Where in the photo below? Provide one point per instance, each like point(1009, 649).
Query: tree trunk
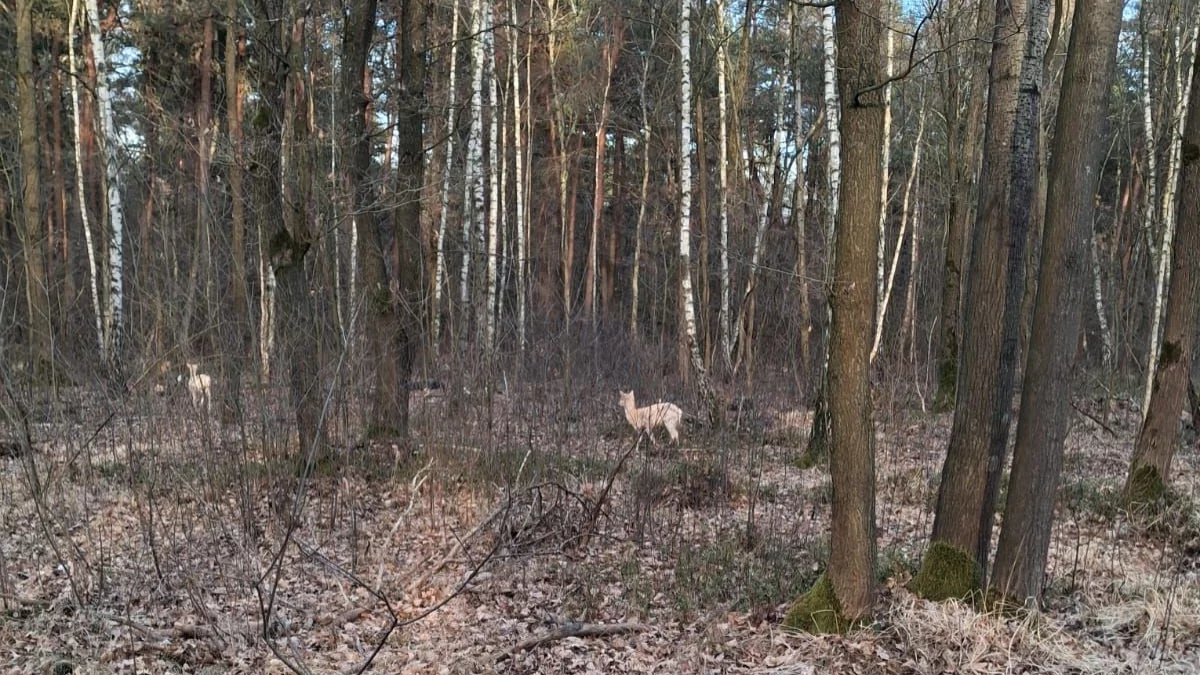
point(1170, 189)
point(818, 448)
point(522, 226)
point(979, 437)
point(643, 195)
point(32, 239)
point(725, 319)
point(236, 344)
point(965, 166)
point(495, 224)
point(1150, 468)
point(612, 49)
point(1045, 407)
point(844, 596)
point(80, 192)
point(201, 253)
point(691, 340)
point(397, 303)
point(439, 273)
point(891, 276)
point(473, 204)
point(287, 249)
point(113, 314)
point(881, 258)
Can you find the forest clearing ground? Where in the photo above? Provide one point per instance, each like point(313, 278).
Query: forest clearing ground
point(170, 536)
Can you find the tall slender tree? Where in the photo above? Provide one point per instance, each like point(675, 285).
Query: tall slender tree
point(1074, 170)
point(1150, 467)
point(844, 596)
point(33, 240)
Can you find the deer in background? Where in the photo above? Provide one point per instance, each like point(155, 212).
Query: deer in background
point(646, 419)
point(199, 386)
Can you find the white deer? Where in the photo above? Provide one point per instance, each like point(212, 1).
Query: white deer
point(646, 419)
point(200, 387)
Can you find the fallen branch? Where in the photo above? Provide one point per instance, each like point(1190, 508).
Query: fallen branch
point(1093, 418)
point(574, 630)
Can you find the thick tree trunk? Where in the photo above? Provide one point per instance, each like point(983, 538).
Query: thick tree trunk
point(844, 596)
point(964, 163)
point(397, 304)
point(975, 458)
point(1045, 407)
point(33, 244)
point(286, 252)
point(1150, 468)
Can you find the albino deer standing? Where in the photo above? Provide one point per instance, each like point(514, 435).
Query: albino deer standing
point(200, 387)
point(646, 419)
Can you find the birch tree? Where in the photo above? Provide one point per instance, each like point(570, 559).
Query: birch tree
point(723, 186)
point(496, 156)
point(881, 313)
point(439, 274)
point(113, 317)
point(473, 185)
point(685, 212)
point(84, 217)
point(521, 227)
point(1183, 85)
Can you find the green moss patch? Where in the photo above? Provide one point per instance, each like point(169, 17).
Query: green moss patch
point(818, 611)
point(1145, 488)
point(948, 572)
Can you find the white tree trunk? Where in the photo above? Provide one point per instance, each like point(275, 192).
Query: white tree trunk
point(519, 157)
point(497, 162)
point(886, 160)
point(685, 183)
point(833, 121)
point(473, 187)
point(439, 274)
point(113, 318)
point(1151, 141)
point(1183, 86)
point(1098, 293)
point(904, 227)
point(723, 167)
point(83, 213)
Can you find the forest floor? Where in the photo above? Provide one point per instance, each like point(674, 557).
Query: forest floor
point(140, 538)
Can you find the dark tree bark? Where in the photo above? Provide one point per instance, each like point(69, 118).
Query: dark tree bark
point(395, 303)
point(849, 580)
point(236, 326)
point(954, 564)
point(963, 159)
point(1150, 468)
point(1061, 297)
point(298, 342)
point(37, 299)
point(201, 254)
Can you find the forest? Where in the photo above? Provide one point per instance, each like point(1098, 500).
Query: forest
point(693, 336)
